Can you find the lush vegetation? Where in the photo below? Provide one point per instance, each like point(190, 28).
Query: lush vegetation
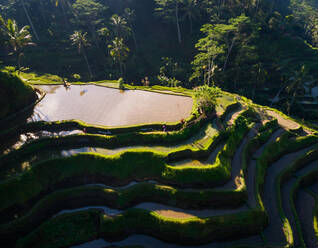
point(232, 169)
point(266, 50)
point(14, 94)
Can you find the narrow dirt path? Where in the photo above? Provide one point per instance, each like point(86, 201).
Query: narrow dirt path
point(190, 162)
point(286, 190)
point(250, 183)
point(285, 123)
point(162, 210)
point(237, 162)
point(305, 204)
point(274, 232)
point(230, 118)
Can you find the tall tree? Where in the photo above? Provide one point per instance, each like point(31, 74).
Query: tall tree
point(191, 11)
point(17, 38)
point(130, 16)
point(170, 10)
point(79, 39)
point(89, 14)
point(119, 52)
point(2, 30)
point(295, 86)
point(119, 25)
point(29, 19)
point(204, 62)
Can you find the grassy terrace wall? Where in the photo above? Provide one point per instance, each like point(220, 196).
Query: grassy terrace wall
point(118, 169)
point(308, 179)
point(105, 141)
point(78, 141)
point(49, 174)
point(14, 94)
point(116, 141)
point(140, 134)
point(119, 199)
point(70, 229)
point(283, 177)
point(285, 144)
point(33, 197)
point(315, 220)
point(264, 133)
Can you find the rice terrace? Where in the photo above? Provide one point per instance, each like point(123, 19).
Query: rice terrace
point(216, 147)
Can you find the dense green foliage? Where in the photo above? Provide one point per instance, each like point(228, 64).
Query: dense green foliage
point(262, 49)
point(206, 98)
point(14, 94)
point(266, 50)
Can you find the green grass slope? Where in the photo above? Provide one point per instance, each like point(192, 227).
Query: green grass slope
point(14, 94)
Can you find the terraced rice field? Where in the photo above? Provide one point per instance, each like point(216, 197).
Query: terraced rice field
point(246, 177)
point(110, 107)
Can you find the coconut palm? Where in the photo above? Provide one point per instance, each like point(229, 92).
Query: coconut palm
point(119, 52)
point(79, 39)
point(119, 25)
point(17, 38)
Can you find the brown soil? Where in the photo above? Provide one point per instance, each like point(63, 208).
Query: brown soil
point(285, 123)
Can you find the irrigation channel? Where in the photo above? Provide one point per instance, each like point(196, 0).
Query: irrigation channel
point(223, 181)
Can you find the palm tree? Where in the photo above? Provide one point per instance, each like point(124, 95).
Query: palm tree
point(17, 38)
point(120, 26)
point(119, 52)
point(79, 39)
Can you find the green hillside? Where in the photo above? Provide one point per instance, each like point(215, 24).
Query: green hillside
point(14, 94)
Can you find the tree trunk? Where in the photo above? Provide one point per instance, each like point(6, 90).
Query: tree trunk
point(121, 69)
point(209, 72)
point(134, 38)
point(277, 95)
point(19, 61)
point(86, 60)
point(257, 5)
point(93, 32)
point(64, 13)
point(191, 24)
point(30, 21)
point(178, 24)
point(228, 53)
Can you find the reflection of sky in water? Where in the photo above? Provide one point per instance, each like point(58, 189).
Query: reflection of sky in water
point(105, 106)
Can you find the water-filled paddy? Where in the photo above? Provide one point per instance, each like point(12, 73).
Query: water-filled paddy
point(111, 107)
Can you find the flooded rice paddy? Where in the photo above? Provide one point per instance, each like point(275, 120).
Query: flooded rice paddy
point(110, 107)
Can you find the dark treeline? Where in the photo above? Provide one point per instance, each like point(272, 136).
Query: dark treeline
point(263, 49)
